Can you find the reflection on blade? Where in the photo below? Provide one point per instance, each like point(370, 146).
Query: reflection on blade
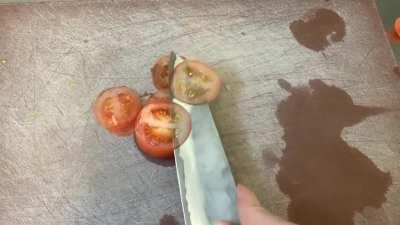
point(206, 183)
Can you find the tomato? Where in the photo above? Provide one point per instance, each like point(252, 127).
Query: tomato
point(160, 128)
point(195, 83)
point(161, 73)
point(163, 95)
point(397, 26)
point(116, 110)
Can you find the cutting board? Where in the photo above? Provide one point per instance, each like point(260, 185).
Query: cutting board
point(308, 114)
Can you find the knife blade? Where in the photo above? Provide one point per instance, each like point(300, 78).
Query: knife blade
point(207, 187)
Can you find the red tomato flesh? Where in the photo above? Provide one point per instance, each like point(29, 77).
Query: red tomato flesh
point(160, 128)
point(116, 109)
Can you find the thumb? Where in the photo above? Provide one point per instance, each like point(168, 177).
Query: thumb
point(251, 212)
point(222, 223)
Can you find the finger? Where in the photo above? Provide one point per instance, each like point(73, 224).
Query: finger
point(251, 212)
point(222, 223)
point(246, 198)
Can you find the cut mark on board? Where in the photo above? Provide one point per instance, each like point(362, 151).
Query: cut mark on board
point(168, 220)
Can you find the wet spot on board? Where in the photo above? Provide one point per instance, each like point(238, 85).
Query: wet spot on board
point(319, 29)
point(86, 41)
point(168, 220)
point(270, 159)
point(326, 179)
point(396, 70)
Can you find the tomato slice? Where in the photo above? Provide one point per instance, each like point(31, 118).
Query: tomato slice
point(195, 83)
point(163, 95)
point(161, 127)
point(116, 109)
point(397, 26)
point(161, 73)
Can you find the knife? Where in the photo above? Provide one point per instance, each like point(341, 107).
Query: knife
point(207, 187)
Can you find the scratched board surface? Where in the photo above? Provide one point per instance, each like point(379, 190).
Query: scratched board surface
point(309, 113)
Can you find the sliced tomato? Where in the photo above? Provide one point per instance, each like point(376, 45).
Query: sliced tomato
point(397, 26)
point(116, 110)
point(161, 73)
point(161, 127)
point(195, 83)
point(163, 95)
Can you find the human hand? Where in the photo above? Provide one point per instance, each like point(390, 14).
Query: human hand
point(251, 212)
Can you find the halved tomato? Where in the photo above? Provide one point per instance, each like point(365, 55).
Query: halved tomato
point(397, 26)
point(161, 127)
point(163, 95)
point(161, 73)
point(195, 83)
point(116, 110)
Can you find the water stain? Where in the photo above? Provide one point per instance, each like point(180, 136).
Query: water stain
point(319, 29)
point(326, 179)
point(396, 70)
point(168, 220)
point(270, 159)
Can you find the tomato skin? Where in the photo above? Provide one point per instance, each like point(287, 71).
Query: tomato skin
point(165, 152)
point(115, 109)
point(150, 147)
point(160, 73)
point(162, 95)
point(397, 26)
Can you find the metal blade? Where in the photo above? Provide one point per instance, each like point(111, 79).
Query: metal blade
point(207, 188)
